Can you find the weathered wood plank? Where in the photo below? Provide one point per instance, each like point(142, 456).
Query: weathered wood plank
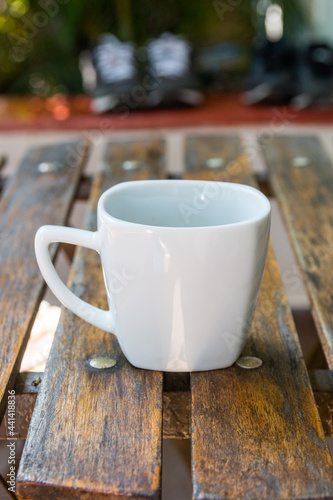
point(24, 406)
point(302, 177)
point(31, 199)
point(26, 389)
point(324, 402)
point(135, 160)
point(257, 433)
point(216, 158)
point(95, 433)
point(176, 415)
point(176, 403)
point(3, 160)
point(321, 380)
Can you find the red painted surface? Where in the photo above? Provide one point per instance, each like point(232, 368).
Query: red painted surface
point(61, 113)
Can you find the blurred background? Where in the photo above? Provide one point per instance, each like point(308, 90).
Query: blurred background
point(41, 41)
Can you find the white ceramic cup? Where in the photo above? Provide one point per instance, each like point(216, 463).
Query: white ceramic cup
point(182, 263)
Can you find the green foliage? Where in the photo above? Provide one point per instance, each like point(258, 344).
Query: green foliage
point(45, 37)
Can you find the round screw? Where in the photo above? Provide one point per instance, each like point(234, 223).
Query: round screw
point(215, 162)
point(102, 362)
point(300, 161)
point(130, 165)
point(47, 167)
point(249, 362)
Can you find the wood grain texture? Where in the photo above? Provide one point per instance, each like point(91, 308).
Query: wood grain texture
point(30, 200)
point(324, 402)
point(28, 382)
point(257, 433)
point(302, 178)
point(94, 434)
point(24, 406)
point(176, 415)
point(321, 380)
point(26, 389)
point(227, 148)
point(135, 160)
point(3, 160)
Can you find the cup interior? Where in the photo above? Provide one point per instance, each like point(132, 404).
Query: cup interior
point(181, 203)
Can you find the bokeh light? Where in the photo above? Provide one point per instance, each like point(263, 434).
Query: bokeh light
point(18, 8)
point(58, 106)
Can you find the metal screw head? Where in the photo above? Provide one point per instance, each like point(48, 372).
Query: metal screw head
point(300, 161)
point(102, 362)
point(130, 165)
point(215, 162)
point(49, 167)
point(249, 362)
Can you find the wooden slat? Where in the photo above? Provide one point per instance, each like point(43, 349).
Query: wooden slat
point(324, 402)
point(31, 199)
point(176, 404)
point(26, 389)
point(321, 380)
point(257, 433)
point(176, 415)
point(209, 151)
point(24, 405)
point(137, 160)
point(95, 433)
point(3, 160)
point(302, 177)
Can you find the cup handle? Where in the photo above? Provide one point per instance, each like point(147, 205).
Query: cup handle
point(50, 234)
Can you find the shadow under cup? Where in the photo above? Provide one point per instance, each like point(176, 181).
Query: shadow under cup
point(193, 253)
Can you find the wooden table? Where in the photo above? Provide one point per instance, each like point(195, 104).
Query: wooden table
point(97, 433)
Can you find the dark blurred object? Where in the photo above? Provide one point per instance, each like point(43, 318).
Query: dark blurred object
point(273, 74)
point(315, 77)
point(222, 66)
point(320, 60)
point(170, 65)
point(111, 74)
point(282, 74)
point(283, 70)
point(116, 73)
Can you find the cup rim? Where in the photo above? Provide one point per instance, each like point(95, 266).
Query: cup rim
point(105, 215)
